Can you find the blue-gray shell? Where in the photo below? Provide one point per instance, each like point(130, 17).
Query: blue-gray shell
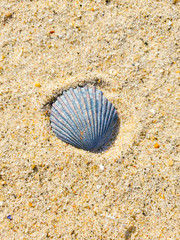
point(83, 117)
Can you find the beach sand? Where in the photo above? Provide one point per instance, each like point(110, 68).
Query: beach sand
point(130, 51)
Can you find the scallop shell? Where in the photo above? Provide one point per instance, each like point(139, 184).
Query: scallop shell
point(83, 117)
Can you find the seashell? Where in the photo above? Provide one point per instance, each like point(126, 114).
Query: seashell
point(83, 117)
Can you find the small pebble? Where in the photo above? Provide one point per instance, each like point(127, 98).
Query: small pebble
point(175, 1)
point(33, 166)
point(8, 15)
point(37, 84)
point(101, 167)
point(111, 217)
point(156, 145)
point(51, 20)
point(129, 232)
point(98, 187)
point(9, 217)
point(171, 162)
point(153, 111)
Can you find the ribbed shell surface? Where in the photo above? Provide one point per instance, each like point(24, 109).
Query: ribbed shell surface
point(83, 117)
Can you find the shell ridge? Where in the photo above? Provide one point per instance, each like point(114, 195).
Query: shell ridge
point(77, 102)
point(57, 126)
point(71, 118)
point(108, 117)
point(107, 133)
point(91, 112)
point(104, 103)
point(67, 140)
point(63, 104)
point(115, 118)
point(80, 107)
point(98, 116)
point(111, 123)
point(101, 139)
point(95, 114)
point(105, 117)
point(65, 137)
point(66, 124)
point(63, 133)
point(64, 117)
point(90, 135)
point(76, 118)
point(60, 130)
point(88, 106)
point(88, 142)
point(79, 119)
point(107, 113)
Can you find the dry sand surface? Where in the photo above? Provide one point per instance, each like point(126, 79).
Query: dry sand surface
point(129, 50)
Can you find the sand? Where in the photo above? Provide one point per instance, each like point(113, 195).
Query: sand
point(130, 51)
